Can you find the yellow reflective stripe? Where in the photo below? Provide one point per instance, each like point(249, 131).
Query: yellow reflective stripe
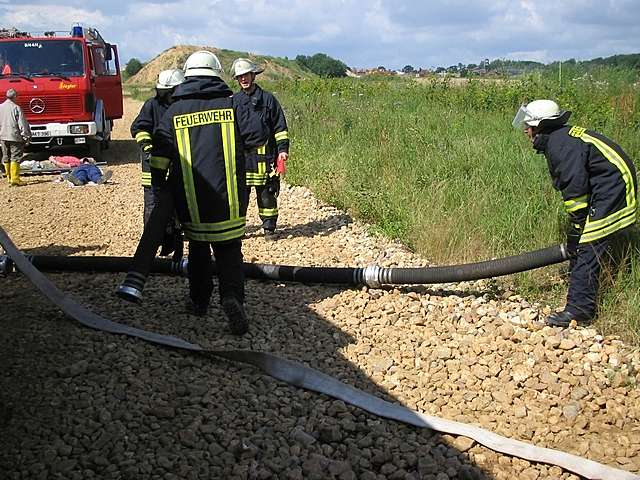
point(146, 179)
point(608, 220)
point(268, 212)
point(159, 162)
point(262, 168)
point(215, 237)
point(184, 150)
point(621, 165)
point(256, 179)
point(215, 226)
point(283, 135)
point(229, 149)
point(598, 234)
point(577, 203)
point(262, 150)
point(142, 136)
point(256, 175)
point(577, 131)
point(215, 232)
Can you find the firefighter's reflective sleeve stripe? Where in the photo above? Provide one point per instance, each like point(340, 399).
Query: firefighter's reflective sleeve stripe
point(576, 204)
point(256, 179)
point(268, 212)
point(146, 179)
point(186, 165)
point(594, 230)
point(215, 232)
point(262, 150)
point(161, 163)
point(229, 150)
point(283, 135)
point(143, 137)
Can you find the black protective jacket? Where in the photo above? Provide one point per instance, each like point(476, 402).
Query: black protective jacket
point(260, 162)
point(142, 130)
point(201, 139)
point(595, 176)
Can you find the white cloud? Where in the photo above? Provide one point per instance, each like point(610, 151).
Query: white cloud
point(41, 17)
point(359, 32)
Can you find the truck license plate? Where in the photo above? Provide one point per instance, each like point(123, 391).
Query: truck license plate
point(80, 140)
point(40, 133)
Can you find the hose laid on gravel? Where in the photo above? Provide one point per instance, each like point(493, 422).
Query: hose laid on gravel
point(302, 376)
point(372, 276)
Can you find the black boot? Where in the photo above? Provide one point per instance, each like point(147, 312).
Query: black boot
point(564, 318)
point(196, 308)
point(236, 315)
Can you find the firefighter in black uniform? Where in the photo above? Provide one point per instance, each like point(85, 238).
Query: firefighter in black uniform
point(598, 185)
point(265, 163)
point(145, 123)
point(201, 140)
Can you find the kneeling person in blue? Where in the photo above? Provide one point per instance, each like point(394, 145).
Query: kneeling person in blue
point(87, 172)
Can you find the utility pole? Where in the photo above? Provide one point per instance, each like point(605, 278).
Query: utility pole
point(560, 73)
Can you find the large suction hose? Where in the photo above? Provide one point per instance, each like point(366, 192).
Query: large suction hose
point(143, 263)
point(372, 276)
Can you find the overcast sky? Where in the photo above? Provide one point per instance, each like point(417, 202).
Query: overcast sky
point(361, 33)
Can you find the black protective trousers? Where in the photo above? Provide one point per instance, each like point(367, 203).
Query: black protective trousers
point(267, 199)
point(149, 202)
point(584, 278)
point(229, 265)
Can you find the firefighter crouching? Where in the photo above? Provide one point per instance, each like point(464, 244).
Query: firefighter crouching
point(598, 185)
point(265, 163)
point(201, 140)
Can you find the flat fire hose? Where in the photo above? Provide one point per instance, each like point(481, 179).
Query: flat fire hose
point(299, 375)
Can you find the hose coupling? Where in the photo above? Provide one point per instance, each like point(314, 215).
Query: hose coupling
point(371, 276)
point(131, 289)
point(183, 266)
point(6, 265)
point(130, 294)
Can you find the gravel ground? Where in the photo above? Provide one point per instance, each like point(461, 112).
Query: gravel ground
point(80, 404)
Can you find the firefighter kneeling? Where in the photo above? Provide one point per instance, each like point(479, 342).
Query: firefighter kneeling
point(204, 155)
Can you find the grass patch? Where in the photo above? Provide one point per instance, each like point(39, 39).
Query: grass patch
point(440, 167)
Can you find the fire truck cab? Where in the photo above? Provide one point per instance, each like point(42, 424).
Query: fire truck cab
point(69, 86)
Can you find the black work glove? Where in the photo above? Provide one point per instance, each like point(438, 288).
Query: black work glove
point(172, 239)
point(273, 185)
point(158, 178)
point(573, 239)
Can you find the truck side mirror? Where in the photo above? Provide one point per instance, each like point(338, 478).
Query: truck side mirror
point(108, 55)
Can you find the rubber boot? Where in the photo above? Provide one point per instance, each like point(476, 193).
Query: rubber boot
point(15, 174)
point(7, 171)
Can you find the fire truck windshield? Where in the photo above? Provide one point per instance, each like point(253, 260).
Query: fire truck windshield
point(26, 58)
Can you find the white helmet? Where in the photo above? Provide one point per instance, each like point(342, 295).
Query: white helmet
point(241, 66)
point(202, 63)
point(534, 113)
point(168, 79)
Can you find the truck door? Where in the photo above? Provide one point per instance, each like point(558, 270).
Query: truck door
point(106, 78)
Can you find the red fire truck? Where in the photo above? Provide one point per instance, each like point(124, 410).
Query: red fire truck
point(68, 85)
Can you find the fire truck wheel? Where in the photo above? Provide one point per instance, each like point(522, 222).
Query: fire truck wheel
point(95, 150)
